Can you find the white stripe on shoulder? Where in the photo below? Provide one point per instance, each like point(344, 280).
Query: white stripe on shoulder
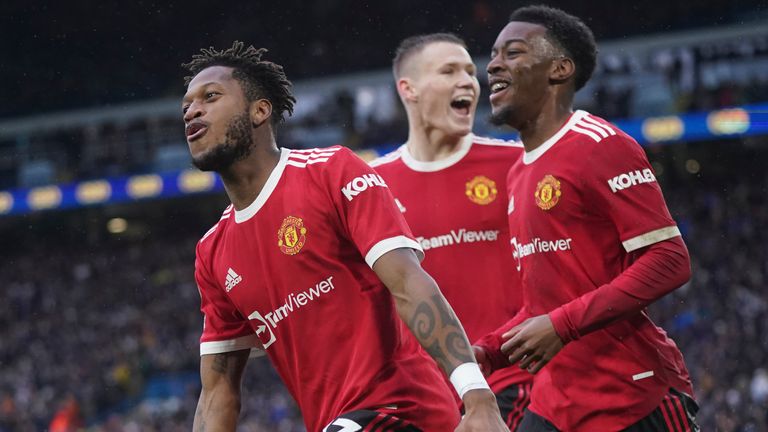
point(576, 128)
point(387, 158)
point(650, 238)
point(601, 124)
point(317, 150)
point(497, 142)
point(210, 231)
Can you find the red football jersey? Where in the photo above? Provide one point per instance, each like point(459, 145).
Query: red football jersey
point(580, 205)
point(457, 208)
point(291, 275)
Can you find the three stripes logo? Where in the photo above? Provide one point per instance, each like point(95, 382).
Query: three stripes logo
point(232, 279)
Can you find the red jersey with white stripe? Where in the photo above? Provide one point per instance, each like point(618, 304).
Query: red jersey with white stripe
point(581, 205)
point(291, 275)
point(457, 208)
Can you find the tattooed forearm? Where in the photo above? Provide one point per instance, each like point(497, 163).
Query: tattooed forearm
point(438, 330)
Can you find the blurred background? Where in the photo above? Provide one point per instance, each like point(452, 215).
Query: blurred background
point(100, 209)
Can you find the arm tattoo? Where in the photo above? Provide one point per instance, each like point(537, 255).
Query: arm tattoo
point(219, 363)
point(438, 330)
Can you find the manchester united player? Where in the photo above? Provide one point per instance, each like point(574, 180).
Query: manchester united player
point(593, 241)
point(451, 190)
point(312, 264)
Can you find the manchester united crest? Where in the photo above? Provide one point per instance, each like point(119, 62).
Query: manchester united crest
point(547, 192)
point(292, 235)
point(481, 190)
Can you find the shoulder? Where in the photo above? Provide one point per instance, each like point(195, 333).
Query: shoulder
point(316, 156)
point(496, 142)
point(387, 159)
point(206, 242)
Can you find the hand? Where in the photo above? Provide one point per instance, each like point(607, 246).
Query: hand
point(534, 342)
point(482, 360)
point(481, 413)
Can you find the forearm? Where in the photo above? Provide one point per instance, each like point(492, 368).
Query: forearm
point(432, 321)
point(216, 411)
point(662, 268)
point(219, 405)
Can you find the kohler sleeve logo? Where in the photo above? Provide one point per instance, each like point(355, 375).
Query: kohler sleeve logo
point(632, 178)
point(361, 184)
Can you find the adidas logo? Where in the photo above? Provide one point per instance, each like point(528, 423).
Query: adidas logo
point(232, 279)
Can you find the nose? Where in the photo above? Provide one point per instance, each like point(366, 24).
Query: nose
point(193, 111)
point(495, 65)
point(467, 80)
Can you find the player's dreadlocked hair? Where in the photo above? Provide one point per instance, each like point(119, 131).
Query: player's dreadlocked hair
point(567, 32)
point(259, 78)
point(414, 44)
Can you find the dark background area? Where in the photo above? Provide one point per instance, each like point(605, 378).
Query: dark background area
point(73, 54)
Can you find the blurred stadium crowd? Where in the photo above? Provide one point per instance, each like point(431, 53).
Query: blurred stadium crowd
point(100, 331)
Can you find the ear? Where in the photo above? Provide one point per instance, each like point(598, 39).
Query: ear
point(407, 90)
point(260, 111)
point(562, 70)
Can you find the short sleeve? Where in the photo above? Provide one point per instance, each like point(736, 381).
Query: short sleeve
point(368, 211)
point(224, 327)
point(625, 188)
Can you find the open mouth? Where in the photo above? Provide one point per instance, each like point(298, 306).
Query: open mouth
point(499, 86)
point(462, 105)
point(195, 131)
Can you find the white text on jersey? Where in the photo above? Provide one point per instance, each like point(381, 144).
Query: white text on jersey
point(361, 184)
point(537, 245)
point(457, 237)
point(293, 301)
point(623, 181)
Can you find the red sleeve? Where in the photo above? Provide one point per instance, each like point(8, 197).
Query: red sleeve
point(660, 268)
point(623, 186)
point(367, 208)
point(224, 328)
point(492, 342)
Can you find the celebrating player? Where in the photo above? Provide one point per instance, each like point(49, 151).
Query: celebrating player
point(450, 187)
point(593, 243)
point(312, 264)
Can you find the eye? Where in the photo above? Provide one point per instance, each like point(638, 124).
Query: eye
point(512, 53)
point(184, 109)
point(211, 94)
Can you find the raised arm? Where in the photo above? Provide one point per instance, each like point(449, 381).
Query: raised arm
point(434, 324)
point(219, 404)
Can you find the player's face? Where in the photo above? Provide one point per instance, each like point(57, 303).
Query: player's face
point(518, 73)
point(447, 88)
point(216, 119)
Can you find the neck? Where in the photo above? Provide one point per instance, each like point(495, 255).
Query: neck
point(431, 144)
point(544, 124)
point(245, 179)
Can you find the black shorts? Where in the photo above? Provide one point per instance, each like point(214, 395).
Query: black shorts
point(512, 402)
point(369, 421)
point(675, 414)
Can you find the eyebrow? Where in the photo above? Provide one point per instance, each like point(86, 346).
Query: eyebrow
point(188, 96)
point(509, 42)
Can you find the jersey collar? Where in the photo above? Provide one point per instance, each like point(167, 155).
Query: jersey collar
point(431, 166)
point(269, 187)
point(531, 156)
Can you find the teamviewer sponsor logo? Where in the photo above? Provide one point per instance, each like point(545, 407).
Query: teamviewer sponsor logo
point(457, 237)
point(361, 184)
point(632, 178)
point(537, 245)
point(294, 301)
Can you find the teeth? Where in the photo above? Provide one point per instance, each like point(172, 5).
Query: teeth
point(499, 86)
point(463, 99)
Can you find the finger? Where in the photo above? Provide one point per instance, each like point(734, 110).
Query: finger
point(513, 331)
point(518, 355)
point(537, 366)
point(529, 360)
point(512, 344)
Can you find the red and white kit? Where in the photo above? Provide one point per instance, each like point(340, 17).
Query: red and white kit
point(291, 275)
point(457, 208)
point(582, 207)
